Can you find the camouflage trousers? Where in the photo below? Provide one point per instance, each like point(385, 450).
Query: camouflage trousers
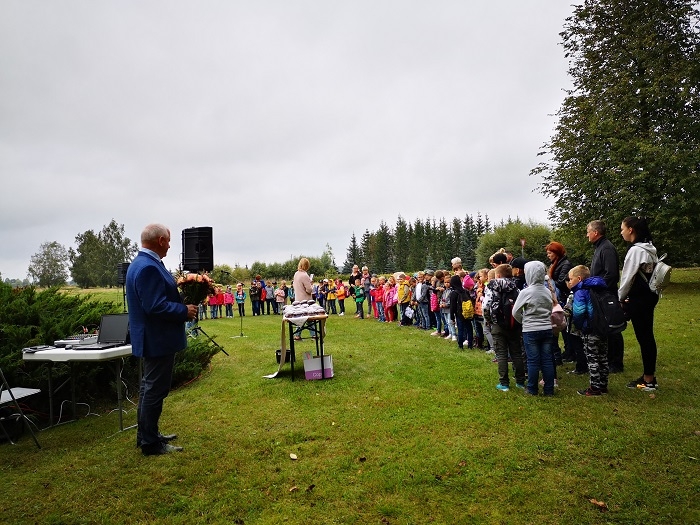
point(596, 349)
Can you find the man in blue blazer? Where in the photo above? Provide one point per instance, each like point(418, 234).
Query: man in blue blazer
point(157, 319)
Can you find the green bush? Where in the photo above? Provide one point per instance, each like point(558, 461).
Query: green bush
point(190, 363)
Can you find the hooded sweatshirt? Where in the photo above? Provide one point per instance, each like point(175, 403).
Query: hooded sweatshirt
point(533, 307)
point(640, 257)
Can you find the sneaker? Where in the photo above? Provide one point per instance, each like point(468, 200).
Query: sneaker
point(519, 385)
point(448, 337)
point(641, 384)
point(502, 388)
point(454, 337)
point(589, 392)
point(490, 352)
point(651, 387)
point(341, 313)
point(435, 333)
point(648, 386)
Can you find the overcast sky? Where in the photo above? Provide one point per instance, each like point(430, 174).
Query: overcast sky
point(284, 125)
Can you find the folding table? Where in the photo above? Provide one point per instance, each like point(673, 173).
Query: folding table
point(75, 355)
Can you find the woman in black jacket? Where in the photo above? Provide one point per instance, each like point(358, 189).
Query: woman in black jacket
point(558, 273)
point(559, 269)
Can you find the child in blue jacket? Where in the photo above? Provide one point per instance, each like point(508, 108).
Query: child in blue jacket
point(595, 347)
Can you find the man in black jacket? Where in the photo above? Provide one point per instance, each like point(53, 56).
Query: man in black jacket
point(606, 264)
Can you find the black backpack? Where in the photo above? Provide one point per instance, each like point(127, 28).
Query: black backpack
point(608, 315)
point(503, 313)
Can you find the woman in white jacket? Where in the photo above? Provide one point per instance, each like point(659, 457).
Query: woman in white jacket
point(637, 298)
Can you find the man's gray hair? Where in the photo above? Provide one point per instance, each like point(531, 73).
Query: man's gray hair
point(152, 232)
point(598, 226)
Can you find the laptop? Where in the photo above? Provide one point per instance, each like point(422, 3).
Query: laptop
point(114, 331)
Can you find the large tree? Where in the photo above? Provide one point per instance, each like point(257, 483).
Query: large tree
point(401, 244)
point(95, 261)
point(367, 246)
point(383, 248)
point(417, 247)
point(470, 238)
point(48, 267)
point(627, 140)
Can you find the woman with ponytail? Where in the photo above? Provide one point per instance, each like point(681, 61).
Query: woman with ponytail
point(637, 298)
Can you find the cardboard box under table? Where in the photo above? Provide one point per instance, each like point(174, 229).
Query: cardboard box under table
point(315, 323)
point(313, 368)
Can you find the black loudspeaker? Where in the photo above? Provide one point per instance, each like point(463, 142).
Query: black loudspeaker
point(121, 273)
point(197, 249)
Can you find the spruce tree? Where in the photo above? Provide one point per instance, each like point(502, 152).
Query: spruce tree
point(402, 245)
point(353, 255)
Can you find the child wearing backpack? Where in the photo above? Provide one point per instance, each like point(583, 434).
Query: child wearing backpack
point(459, 295)
point(505, 331)
point(595, 346)
point(404, 298)
point(533, 309)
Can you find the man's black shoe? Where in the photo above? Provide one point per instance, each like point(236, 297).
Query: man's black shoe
point(159, 449)
point(163, 439)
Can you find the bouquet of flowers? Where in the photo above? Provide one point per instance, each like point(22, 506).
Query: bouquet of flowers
point(195, 287)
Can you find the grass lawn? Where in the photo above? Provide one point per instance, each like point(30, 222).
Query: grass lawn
point(410, 431)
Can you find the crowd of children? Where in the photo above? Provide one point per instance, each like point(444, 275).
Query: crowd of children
point(506, 311)
point(265, 299)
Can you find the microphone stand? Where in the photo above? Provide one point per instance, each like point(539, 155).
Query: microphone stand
point(237, 336)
